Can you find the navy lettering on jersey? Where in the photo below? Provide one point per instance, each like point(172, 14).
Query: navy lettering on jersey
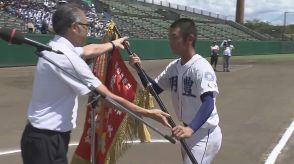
point(173, 83)
point(188, 83)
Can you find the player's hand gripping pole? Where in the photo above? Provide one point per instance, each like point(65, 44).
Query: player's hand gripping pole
point(155, 95)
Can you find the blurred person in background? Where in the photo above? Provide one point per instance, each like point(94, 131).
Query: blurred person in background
point(214, 49)
point(227, 53)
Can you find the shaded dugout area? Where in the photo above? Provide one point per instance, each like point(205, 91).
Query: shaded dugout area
point(255, 107)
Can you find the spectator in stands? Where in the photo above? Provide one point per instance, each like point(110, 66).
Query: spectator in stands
point(44, 27)
point(1, 5)
point(227, 48)
point(31, 27)
point(214, 49)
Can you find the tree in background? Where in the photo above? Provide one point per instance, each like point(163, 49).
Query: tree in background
point(276, 31)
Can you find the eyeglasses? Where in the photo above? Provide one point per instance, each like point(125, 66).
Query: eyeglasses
point(84, 24)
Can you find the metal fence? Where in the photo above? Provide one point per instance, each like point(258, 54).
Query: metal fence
point(185, 8)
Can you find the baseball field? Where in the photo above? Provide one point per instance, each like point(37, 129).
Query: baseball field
point(255, 104)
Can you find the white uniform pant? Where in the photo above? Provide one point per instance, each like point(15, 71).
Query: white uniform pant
point(204, 145)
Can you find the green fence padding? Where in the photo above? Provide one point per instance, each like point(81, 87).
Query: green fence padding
point(22, 55)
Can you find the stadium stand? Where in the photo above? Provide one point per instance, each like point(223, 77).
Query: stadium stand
point(143, 20)
point(37, 14)
point(10, 21)
point(135, 19)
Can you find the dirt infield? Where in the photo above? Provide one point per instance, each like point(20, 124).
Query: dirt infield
point(255, 107)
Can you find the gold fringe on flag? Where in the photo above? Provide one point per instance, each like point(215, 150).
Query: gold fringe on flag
point(130, 128)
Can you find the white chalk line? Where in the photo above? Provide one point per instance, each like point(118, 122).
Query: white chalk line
point(8, 152)
point(270, 160)
point(278, 148)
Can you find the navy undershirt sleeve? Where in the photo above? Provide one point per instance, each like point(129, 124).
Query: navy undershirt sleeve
point(204, 112)
point(156, 87)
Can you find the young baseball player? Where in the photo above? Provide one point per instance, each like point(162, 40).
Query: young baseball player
point(193, 86)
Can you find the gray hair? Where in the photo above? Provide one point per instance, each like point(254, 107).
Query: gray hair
point(64, 16)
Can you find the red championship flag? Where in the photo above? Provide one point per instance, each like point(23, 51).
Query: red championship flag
point(113, 127)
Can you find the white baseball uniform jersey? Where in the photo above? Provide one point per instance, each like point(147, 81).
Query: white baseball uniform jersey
point(187, 82)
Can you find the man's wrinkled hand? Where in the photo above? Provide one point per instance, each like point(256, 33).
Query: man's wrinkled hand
point(159, 116)
point(119, 42)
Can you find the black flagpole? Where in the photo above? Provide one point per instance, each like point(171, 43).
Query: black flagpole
point(155, 95)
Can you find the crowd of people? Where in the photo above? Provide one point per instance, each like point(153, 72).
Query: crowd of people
point(38, 16)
